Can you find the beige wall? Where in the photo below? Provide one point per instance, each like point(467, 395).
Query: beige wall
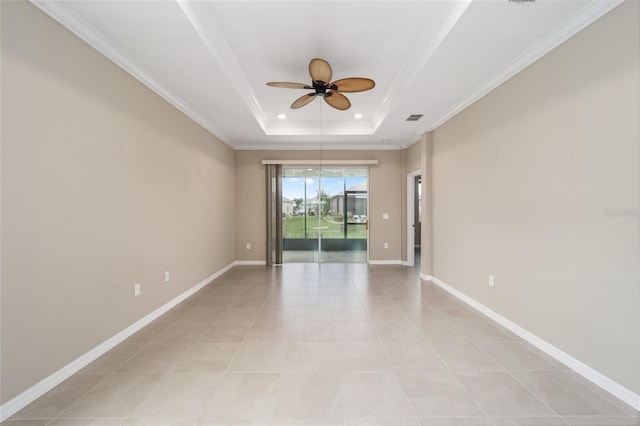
point(104, 185)
point(415, 156)
point(426, 251)
point(385, 196)
point(418, 158)
point(412, 161)
point(523, 181)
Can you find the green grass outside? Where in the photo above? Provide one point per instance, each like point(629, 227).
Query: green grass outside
point(293, 227)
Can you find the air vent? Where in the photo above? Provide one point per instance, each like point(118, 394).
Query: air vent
point(521, 1)
point(414, 117)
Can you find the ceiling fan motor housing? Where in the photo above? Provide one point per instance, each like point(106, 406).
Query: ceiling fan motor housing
point(321, 88)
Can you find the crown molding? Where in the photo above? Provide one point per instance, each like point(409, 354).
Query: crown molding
point(311, 146)
point(421, 52)
point(408, 142)
point(310, 128)
point(204, 23)
point(566, 30)
point(214, 39)
point(328, 146)
point(343, 128)
point(323, 162)
point(85, 32)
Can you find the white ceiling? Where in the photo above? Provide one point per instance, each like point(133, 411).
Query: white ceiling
point(211, 59)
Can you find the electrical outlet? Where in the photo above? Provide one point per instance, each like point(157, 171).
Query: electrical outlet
point(492, 281)
point(166, 276)
point(386, 245)
point(248, 246)
point(136, 289)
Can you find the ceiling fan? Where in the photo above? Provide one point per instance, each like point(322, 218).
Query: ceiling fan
point(321, 74)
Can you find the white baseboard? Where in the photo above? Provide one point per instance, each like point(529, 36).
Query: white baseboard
point(426, 277)
point(17, 403)
point(249, 262)
point(385, 262)
point(594, 376)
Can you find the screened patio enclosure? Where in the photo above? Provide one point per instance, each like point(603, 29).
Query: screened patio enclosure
point(324, 214)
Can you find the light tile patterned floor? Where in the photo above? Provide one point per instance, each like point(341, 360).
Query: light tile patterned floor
point(330, 344)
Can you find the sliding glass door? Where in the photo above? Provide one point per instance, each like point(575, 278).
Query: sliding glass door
point(300, 223)
point(324, 214)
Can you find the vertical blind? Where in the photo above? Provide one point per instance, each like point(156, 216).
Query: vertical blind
point(274, 213)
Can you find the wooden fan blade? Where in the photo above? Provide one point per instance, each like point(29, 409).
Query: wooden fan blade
point(287, 85)
point(354, 84)
point(337, 100)
point(303, 100)
point(320, 70)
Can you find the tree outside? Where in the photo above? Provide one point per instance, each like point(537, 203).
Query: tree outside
point(297, 206)
point(325, 201)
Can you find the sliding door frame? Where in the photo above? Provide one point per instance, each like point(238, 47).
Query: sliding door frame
point(319, 167)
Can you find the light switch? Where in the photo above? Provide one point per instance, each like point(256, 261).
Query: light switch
point(385, 216)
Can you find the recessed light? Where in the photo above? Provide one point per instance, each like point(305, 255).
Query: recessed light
point(282, 116)
point(357, 116)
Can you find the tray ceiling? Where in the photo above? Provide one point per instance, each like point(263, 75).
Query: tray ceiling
point(211, 59)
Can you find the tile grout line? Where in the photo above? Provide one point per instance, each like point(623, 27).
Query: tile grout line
point(170, 370)
point(192, 343)
point(510, 372)
point(265, 285)
point(226, 371)
point(505, 370)
point(107, 375)
point(467, 392)
point(381, 343)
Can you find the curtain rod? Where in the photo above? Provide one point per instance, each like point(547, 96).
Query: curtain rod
point(322, 162)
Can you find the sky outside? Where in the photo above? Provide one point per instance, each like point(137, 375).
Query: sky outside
point(294, 187)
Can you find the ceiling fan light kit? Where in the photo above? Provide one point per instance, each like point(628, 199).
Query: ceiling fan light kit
point(321, 74)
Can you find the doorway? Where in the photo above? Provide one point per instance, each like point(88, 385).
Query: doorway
point(414, 217)
point(324, 214)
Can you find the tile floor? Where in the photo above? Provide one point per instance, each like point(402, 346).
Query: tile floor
point(338, 256)
point(330, 344)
